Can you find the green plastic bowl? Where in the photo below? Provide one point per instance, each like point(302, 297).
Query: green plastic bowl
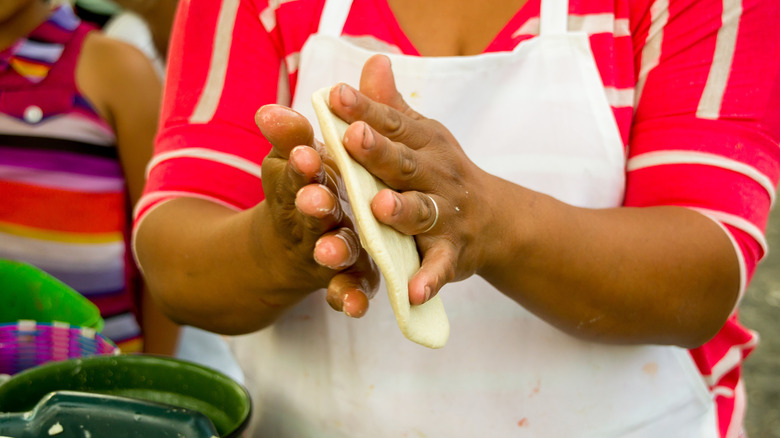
point(27, 292)
point(146, 377)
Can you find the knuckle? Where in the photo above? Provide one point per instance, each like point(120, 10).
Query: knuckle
point(426, 211)
point(406, 163)
point(392, 123)
point(440, 136)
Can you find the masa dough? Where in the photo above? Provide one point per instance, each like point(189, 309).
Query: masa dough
point(395, 253)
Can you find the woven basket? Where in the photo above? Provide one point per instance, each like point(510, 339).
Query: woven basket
point(28, 343)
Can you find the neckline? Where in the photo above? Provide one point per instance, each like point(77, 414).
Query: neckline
point(33, 56)
point(504, 37)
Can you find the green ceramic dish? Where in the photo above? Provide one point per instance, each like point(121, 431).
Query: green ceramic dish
point(29, 293)
point(152, 378)
point(67, 414)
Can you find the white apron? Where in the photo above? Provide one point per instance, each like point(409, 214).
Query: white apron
point(537, 116)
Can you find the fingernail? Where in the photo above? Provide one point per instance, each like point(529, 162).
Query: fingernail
point(292, 162)
point(368, 137)
point(347, 95)
point(351, 257)
point(427, 293)
point(396, 204)
point(345, 307)
point(353, 307)
point(316, 245)
point(323, 210)
point(298, 195)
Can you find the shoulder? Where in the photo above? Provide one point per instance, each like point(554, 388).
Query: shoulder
point(117, 58)
point(113, 74)
point(132, 29)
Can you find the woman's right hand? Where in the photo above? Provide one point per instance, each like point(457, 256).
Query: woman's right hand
point(307, 205)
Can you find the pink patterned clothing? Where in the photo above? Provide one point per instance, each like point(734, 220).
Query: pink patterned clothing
point(693, 85)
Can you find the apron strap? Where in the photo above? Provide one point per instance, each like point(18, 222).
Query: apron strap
point(553, 17)
point(334, 15)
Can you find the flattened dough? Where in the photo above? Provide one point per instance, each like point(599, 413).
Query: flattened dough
point(395, 253)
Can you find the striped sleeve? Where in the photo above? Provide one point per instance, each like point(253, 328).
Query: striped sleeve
point(225, 63)
point(707, 118)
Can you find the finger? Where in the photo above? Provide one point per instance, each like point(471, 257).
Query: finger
point(352, 106)
point(306, 166)
point(393, 163)
point(319, 208)
point(338, 249)
point(436, 270)
point(409, 212)
point(284, 128)
point(378, 83)
point(346, 293)
point(318, 201)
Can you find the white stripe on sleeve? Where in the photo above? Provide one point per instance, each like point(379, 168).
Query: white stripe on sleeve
point(591, 24)
point(215, 81)
point(737, 252)
point(658, 158)
point(268, 15)
point(739, 223)
point(207, 154)
point(292, 60)
point(651, 52)
point(731, 359)
point(738, 416)
point(726, 42)
point(620, 97)
point(153, 197)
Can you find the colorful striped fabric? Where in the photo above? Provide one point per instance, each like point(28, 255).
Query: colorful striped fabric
point(64, 203)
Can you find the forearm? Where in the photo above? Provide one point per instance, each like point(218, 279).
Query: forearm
point(199, 260)
point(663, 275)
point(161, 335)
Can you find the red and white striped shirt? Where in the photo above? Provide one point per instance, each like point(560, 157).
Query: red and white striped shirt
point(693, 85)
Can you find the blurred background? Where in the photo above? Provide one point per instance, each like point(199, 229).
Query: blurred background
point(761, 312)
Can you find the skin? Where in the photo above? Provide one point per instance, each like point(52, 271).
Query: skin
point(121, 84)
point(271, 246)
point(18, 18)
point(660, 275)
point(663, 275)
point(452, 27)
point(158, 15)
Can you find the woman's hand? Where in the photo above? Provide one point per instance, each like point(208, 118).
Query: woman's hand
point(439, 193)
point(307, 206)
point(632, 284)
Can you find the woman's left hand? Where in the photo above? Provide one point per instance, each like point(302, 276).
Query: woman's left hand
point(438, 193)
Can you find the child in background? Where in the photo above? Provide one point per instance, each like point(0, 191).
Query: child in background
point(78, 114)
point(147, 25)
